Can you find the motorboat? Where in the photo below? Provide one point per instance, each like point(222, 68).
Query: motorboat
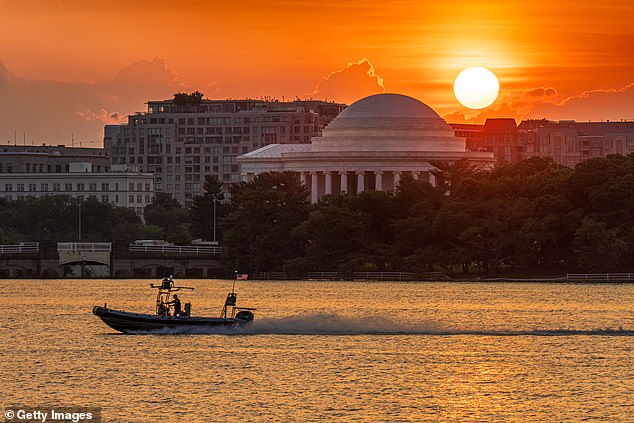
point(169, 318)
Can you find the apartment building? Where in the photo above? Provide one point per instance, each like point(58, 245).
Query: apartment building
point(566, 142)
point(181, 142)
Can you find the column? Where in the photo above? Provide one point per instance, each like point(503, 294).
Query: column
point(344, 182)
point(432, 179)
point(397, 179)
point(328, 183)
point(415, 175)
point(360, 181)
point(314, 187)
point(302, 178)
point(378, 180)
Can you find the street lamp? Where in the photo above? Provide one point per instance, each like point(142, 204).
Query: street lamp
point(79, 223)
point(215, 242)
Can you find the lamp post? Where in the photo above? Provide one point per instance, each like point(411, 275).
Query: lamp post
point(79, 223)
point(215, 242)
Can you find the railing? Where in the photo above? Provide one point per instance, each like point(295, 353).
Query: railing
point(384, 276)
point(176, 249)
point(21, 248)
point(84, 247)
point(323, 275)
point(600, 277)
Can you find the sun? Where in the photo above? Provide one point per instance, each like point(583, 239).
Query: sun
point(476, 88)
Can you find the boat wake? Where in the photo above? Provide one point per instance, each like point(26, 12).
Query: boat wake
point(334, 324)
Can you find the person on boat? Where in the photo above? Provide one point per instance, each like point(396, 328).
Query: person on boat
point(163, 310)
point(176, 302)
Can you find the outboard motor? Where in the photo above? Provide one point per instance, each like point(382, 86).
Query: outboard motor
point(245, 315)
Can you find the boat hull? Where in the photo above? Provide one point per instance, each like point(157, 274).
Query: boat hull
point(134, 323)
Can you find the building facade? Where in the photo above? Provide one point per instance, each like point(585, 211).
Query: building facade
point(181, 143)
point(37, 171)
point(50, 159)
point(371, 145)
point(122, 189)
point(566, 142)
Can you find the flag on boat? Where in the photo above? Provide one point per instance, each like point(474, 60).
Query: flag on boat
point(242, 276)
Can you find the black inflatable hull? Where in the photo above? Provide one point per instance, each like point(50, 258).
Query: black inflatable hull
point(134, 323)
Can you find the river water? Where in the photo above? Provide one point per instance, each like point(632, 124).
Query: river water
point(328, 352)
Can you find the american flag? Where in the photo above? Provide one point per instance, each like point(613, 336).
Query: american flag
point(242, 276)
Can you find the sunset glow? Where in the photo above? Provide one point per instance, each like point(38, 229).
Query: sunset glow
point(78, 65)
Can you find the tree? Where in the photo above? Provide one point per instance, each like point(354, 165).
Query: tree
point(598, 248)
point(166, 213)
point(332, 237)
point(182, 99)
point(207, 209)
point(263, 214)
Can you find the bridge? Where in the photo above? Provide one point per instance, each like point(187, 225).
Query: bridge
point(106, 260)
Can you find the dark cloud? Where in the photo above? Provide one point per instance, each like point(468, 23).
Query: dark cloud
point(53, 112)
point(541, 92)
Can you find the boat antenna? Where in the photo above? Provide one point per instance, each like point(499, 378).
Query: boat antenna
point(233, 288)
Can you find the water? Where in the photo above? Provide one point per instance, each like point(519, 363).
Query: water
point(329, 351)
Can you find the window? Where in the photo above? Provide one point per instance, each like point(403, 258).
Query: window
point(131, 198)
point(93, 186)
point(80, 186)
point(44, 187)
point(105, 198)
point(105, 187)
point(8, 187)
point(56, 187)
point(20, 187)
point(131, 188)
point(68, 187)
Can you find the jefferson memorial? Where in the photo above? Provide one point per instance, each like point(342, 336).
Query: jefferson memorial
point(371, 145)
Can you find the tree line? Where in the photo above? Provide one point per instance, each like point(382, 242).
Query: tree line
point(534, 215)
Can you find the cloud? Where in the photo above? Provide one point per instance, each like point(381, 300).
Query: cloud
point(514, 104)
point(603, 104)
point(103, 116)
point(541, 92)
point(53, 112)
point(355, 81)
point(545, 102)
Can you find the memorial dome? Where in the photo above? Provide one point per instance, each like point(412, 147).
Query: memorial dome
point(388, 122)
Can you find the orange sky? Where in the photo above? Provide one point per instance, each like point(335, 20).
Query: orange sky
point(69, 66)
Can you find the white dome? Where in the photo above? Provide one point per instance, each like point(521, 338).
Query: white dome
point(388, 122)
point(387, 106)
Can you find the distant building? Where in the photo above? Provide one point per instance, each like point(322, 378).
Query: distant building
point(50, 159)
point(36, 171)
point(566, 142)
point(370, 146)
point(182, 143)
